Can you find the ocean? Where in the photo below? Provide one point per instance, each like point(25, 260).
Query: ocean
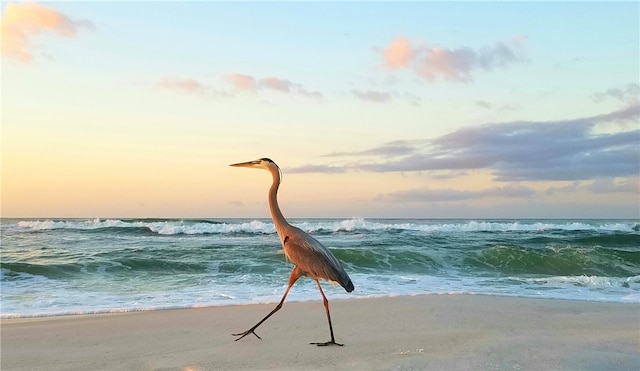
point(82, 266)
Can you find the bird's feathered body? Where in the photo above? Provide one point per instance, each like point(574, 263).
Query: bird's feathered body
point(304, 251)
point(315, 260)
point(309, 257)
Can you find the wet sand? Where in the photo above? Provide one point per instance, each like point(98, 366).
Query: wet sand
point(433, 332)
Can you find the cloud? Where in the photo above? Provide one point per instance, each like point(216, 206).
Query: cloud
point(600, 186)
point(373, 96)
point(565, 150)
point(241, 81)
point(185, 85)
point(625, 94)
point(571, 188)
point(483, 104)
point(278, 84)
point(449, 194)
point(21, 22)
point(308, 168)
point(389, 149)
point(451, 64)
point(629, 185)
point(309, 94)
point(248, 83)
point(398, 53)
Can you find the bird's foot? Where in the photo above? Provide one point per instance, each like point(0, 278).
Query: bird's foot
point(243, 334)
point(330, 342)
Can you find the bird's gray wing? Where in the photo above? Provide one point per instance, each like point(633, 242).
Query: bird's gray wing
point(315, 259)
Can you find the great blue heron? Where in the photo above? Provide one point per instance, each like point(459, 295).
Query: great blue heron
point(309, 257)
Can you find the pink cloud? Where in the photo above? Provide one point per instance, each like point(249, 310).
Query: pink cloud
point(450, 64)
point(250, 83)
point(22, 21)
point(185, 85)
point(459, 64)
point(241, 81)
point(398, 53)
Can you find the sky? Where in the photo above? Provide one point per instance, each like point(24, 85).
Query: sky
point(371, 109)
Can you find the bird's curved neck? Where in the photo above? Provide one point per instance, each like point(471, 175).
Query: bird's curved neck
point(276, 215)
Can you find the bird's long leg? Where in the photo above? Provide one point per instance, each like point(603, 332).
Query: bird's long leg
point(326, 307)
point(293, 277)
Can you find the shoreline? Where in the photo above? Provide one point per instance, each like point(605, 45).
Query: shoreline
point(117, 311)
point(423, 331)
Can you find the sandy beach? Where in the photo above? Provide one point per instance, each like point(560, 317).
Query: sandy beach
point(411, 332)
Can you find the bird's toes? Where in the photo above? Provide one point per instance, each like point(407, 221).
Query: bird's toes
point(330, 342)
point(243, 334)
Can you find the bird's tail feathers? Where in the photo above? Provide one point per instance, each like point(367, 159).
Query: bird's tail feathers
point(347, 284)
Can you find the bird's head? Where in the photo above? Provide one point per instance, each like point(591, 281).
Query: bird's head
point(263, 163)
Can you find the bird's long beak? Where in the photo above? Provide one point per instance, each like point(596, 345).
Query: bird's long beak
point(244, 164)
